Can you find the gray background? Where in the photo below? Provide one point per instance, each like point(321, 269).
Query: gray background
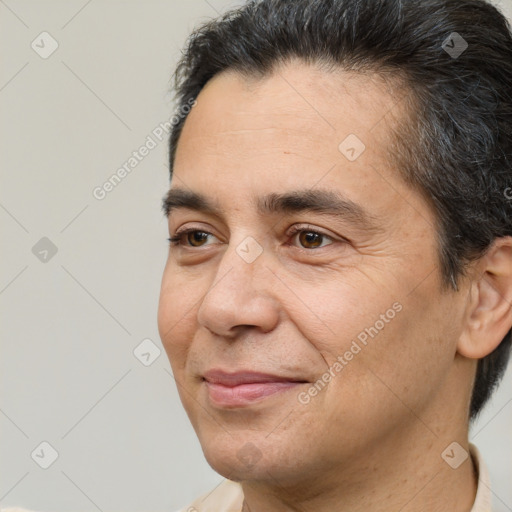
point(71, 321)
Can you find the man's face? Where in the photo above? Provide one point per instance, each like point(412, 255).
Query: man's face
point(360, 289)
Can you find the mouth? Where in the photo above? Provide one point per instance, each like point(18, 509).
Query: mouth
point(243, 388)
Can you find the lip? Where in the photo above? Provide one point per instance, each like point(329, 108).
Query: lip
point(230, 379)
point(242, 388)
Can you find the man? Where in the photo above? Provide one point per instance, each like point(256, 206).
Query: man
point(336, 304)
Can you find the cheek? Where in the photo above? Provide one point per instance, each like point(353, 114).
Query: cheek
point(177, 313)
point(336, 312)
point(395, 362)
point(389, 341)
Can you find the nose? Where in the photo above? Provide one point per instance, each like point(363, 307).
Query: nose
point(239, 296)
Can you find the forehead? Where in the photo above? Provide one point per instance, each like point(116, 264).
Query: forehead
point(248, 137)
point(296, 99)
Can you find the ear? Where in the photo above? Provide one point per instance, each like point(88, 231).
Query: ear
point(489, 309)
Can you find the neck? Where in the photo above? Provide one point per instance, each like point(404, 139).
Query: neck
point(406, 473)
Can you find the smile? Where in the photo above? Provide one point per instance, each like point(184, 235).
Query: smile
point(242, 388)
point(245, 394)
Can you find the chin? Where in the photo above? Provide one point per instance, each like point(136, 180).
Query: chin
point(237, 456)
point(230, 466)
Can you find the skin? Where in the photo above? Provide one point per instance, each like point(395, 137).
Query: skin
point(372, 439)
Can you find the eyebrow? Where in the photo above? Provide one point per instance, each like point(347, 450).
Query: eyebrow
point(321, 201)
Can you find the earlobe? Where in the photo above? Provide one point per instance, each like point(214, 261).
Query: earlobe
point(489, 307)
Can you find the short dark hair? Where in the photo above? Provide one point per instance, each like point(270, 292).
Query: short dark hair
point(455, 148)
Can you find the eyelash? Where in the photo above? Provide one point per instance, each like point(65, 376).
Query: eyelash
point(177, 238)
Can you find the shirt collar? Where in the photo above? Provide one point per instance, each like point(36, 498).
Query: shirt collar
point(483, 492)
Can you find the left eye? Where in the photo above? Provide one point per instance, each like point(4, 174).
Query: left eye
point(310, 239)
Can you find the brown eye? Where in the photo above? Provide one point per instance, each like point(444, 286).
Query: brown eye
point(190, 238)
point(310, 239)
point(195, 238)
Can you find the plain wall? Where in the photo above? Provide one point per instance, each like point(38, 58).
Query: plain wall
point(71, 320)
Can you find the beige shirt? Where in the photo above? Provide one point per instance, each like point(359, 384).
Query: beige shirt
point(228, 495)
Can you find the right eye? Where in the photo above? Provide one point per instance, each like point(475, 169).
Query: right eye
point(193, 237)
